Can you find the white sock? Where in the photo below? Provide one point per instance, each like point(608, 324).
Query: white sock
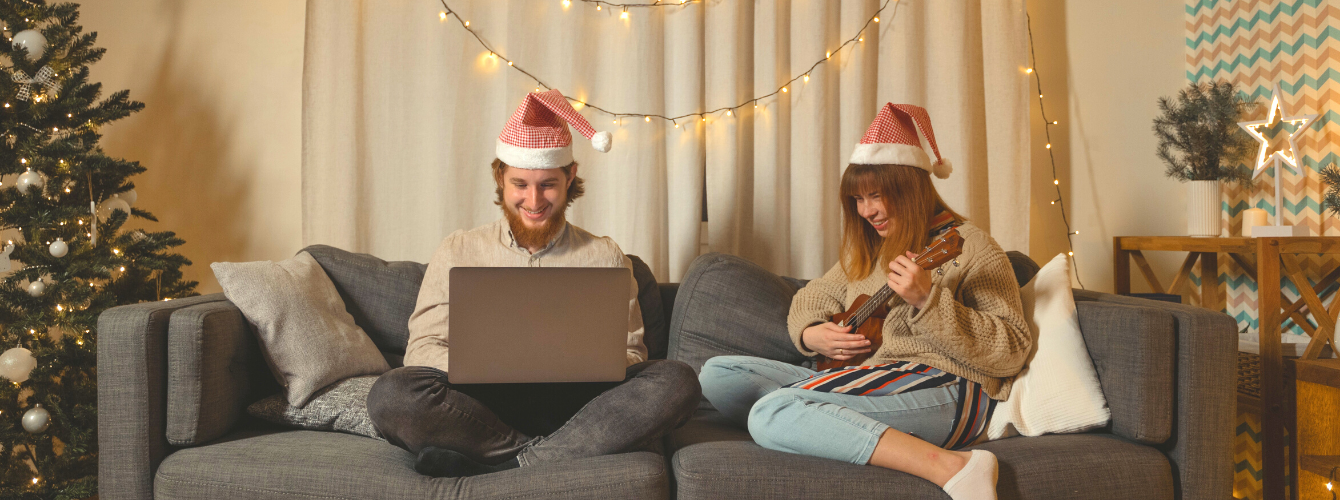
point(977, 480)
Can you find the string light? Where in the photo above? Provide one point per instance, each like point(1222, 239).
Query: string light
point(784, 88)
point(807, 77)
point(1051, 156)
point(442, 16)
point(728, 112)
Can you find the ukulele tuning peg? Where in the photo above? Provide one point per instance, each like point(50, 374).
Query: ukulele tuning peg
point(940, 272)
point(955, 262)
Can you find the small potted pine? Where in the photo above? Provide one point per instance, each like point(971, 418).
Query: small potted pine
point(1202, 145)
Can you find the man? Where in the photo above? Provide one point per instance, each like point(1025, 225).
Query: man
point(473, 429)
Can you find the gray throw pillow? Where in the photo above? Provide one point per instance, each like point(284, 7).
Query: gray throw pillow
point(308, 338)
point(341, 407)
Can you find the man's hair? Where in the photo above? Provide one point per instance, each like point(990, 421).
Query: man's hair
point(575, 189)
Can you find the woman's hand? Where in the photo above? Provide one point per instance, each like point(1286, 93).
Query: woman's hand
point(909, 280)
point(835, 342)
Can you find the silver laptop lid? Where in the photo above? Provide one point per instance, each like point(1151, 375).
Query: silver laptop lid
point(538, 324)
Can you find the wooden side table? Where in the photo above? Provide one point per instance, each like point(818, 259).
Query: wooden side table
point(1268, 261)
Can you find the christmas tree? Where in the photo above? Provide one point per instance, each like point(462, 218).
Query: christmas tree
point(63, 205)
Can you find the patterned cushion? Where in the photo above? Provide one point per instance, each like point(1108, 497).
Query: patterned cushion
point(341, 407)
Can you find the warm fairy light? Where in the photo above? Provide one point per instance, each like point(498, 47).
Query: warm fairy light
point(1056, 182)
point(34, 479)
point(1049, 145)
point(31, 331)
point(1054, 122)
point(59, 308)
point(783, 89)
point(876, 18)
point(807, 77)
point(862, 39)
point(1053, 202)
point(116, 251)
point(23, 160)
point(442, 16)
point(1029, 70)
point(6, 105)
point(704, 119)
point(66, 190)
point(728, 113)
point(123, 269)
point(467, 24)
point(1039, 96)
point(828, 54)
point(624, 14)
point(567, 3)
point(597, 6)
point(67, 115)
point(676, 125)
point(80, 341)
point(1072, 254)
point(647, 119)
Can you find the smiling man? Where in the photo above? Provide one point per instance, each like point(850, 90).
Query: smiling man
point(464, 430)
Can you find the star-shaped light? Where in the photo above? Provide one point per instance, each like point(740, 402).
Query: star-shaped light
point(1265, 155)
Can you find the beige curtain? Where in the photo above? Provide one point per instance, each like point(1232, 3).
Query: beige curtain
point(401, 110)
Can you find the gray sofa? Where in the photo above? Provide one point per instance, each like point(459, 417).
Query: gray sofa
point(175, 378)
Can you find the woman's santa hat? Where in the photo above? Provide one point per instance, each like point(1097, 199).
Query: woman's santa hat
point(893, 140)
point(537, 138)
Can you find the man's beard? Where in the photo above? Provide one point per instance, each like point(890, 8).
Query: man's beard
point(539, 237)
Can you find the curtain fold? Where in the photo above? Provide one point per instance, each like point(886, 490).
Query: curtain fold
point(402, 109)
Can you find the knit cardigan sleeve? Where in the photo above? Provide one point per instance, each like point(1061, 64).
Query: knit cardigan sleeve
point(816, 303)
point(984, 330)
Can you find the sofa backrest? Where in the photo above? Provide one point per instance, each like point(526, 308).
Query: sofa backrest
point(380, 295)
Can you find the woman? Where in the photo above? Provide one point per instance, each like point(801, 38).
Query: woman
point(952, 340)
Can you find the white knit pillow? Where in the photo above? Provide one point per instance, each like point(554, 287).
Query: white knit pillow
point(1058, 390)
point(309, 340)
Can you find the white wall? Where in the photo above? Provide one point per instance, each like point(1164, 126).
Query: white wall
point(221, 132)
point(1103, 67)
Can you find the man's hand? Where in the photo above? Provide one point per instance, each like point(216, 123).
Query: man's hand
point(835, 342)
point(909, 280)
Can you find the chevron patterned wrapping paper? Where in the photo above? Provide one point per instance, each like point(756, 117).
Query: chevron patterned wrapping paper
point(1255, 44)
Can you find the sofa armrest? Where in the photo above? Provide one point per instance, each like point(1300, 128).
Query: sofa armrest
point(1201, 445)
point(132, 398)
point(215, 369)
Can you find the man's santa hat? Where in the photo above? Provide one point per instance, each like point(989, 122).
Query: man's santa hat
point(893, 140)
point(537, 138)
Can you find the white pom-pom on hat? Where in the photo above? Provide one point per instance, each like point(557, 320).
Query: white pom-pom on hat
point(943, 168)
point(601, 141)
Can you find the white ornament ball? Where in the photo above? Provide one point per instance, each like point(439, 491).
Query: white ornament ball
point(33, 41)
point(36, 288)
point(130, 196)
point(16, 364)
point(36, 419)
point(29, 179)
point(115, 203)
point(58, 248)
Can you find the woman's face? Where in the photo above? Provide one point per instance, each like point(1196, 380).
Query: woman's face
point(871, 208)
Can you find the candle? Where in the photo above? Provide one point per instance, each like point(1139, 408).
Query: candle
point(1252, 217)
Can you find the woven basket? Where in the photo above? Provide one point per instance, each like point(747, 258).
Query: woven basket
point(1249, 374)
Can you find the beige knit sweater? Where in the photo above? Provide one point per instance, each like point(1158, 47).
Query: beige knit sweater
point(973, 324)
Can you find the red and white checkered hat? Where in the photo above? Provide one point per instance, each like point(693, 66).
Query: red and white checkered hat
point(537, 138)
point(892, 140)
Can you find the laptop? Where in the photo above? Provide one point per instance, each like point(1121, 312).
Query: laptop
point(538, 324)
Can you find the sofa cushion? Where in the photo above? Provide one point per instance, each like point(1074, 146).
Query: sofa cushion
point(330, 465)
point(727, 305)
point(1133, 350)
point(342, 406)
point(309, 339)
point(380, 295)
point(655, 323)
point(215, 368)
point(1024, 267)
point(712, 458)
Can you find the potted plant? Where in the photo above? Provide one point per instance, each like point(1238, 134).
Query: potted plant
point(1201, 143)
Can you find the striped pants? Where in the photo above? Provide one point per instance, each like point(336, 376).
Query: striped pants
point(752, 392)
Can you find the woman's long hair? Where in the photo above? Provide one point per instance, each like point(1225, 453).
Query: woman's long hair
point(910, 201)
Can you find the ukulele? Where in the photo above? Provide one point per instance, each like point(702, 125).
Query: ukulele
point(867, 313)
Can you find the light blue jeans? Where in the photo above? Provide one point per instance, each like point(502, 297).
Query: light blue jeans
point(748, 390)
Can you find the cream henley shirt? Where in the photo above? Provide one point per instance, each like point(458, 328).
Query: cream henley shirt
point(492, 245)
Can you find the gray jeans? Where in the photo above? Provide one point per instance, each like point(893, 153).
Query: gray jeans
point(415, 407)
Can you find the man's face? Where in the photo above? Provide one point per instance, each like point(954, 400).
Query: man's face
point(536, 197)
